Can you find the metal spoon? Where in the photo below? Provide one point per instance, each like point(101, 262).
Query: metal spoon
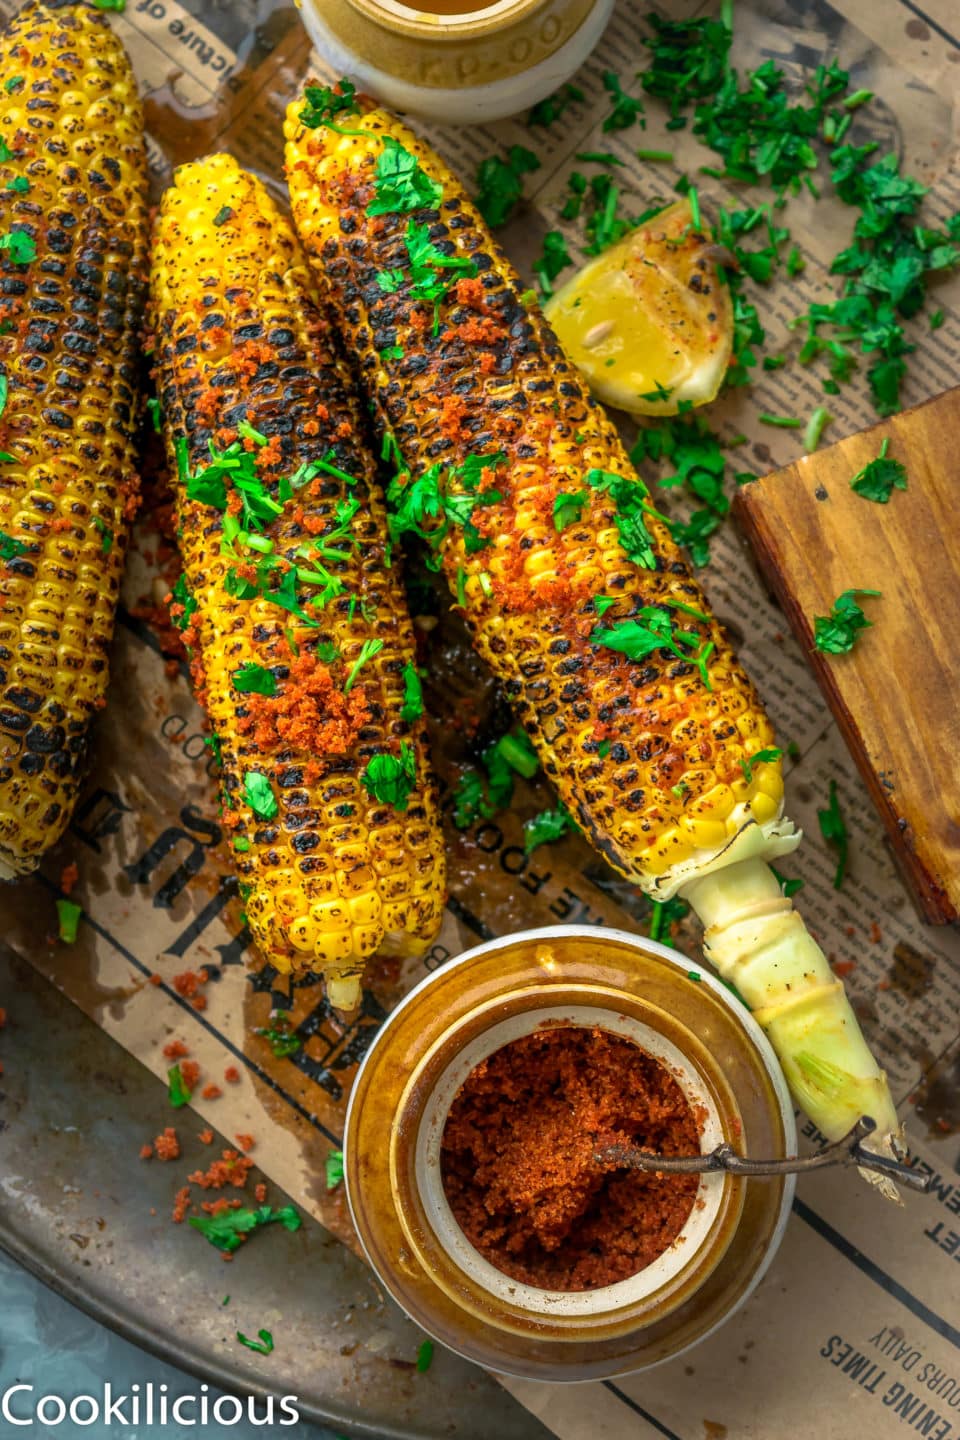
point(850, 1150)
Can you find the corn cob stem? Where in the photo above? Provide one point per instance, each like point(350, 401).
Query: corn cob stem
point(758, 943)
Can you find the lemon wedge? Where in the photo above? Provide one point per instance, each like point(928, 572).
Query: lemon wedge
point(649, 322)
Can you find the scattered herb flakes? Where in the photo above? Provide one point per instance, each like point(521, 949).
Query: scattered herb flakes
point(253, 679)
point(651, 630)
point(629, 495)
point(548, 110)
point(788, 886)
point(554, 257)
point(400, 184)
point(412, 707)
point(228, 1230)
point(546, 827)
point(568, 507)
point(333, 1173)
point(687, 443)
point(281, 1039)
point(664, 915)
point(688, 61)
point(177, 1090)
point(263, 1345)
point(9, 547)
point(834, 831)
point(322, 104)
point(762, 757)
point(424, 1356)
point(22, 247)
point(389, 779)
point(880, 477)
point(259, 795)
point(626, 110)
point(368, 651)
point(836, 633)
point(500, 183)
point(479, 797)
point(820, 418)
point(68, 917)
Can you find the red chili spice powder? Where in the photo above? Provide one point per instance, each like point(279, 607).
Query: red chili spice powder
point(517, 1158)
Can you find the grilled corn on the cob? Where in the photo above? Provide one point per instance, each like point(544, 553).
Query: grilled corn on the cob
point(303, 650)
point(574, 590)
point(72, 259)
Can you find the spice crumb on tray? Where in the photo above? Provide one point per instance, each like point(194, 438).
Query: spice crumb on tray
point(518, 1168)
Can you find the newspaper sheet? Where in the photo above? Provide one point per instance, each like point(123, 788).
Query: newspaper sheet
point(856, 1329)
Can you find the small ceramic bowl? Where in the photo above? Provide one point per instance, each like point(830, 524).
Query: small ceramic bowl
point(489, 61)
point(473, 1006)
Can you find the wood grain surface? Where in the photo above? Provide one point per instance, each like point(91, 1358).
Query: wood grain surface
point(896, 695)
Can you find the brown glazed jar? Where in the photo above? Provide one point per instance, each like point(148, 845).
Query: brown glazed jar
point(474, 1005)
point(456, 61)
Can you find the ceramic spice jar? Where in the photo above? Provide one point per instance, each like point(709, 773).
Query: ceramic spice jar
point(459, 61)
point(471, 1008)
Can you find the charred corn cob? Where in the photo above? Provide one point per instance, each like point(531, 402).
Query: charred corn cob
point(303, 650)
point(575, 593)
point(72, 261)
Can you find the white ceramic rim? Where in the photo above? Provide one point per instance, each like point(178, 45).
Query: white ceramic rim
point(679, 962)
point(476, 104)
point(566, 1303)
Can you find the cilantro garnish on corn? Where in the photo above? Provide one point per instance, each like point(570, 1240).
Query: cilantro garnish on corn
point(302, 648)
point(490, 423)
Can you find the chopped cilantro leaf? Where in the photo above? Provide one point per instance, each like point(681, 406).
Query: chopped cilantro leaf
point(412, 707)
point(19, 185)
point(228, 1229)
point(252, 679)
point(281, 1039)
point(392, 352)
point(14, 83)
point(225, 213)
point(400, 185)
point(880, 477)
point(479, 797)
point(368, 650)
point(548, 110)
point(22, 247)
point(836, 633)
point(259, 795)
point(263, 1346)
point(68, 916)
point(653, 630)
point(663, 916)
point(659, 392)
point(567, 508)
point(321, 104)
point(500, 183)
point(177, 1090)
point(334, 1169)
point(788, 887)
point(116, 5)
point(10, 547)
point(424, 1356)
point(180, 595)
point(834, 831)
point(629, 497)
point(155, 413)
point(820, 418)
point(546, 827)
point(762, 757)
point(554, 257)
point(106, 534)
point(625, 111)
point(390, 779)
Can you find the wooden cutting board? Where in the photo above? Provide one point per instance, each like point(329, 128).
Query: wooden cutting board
point(896, 695)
